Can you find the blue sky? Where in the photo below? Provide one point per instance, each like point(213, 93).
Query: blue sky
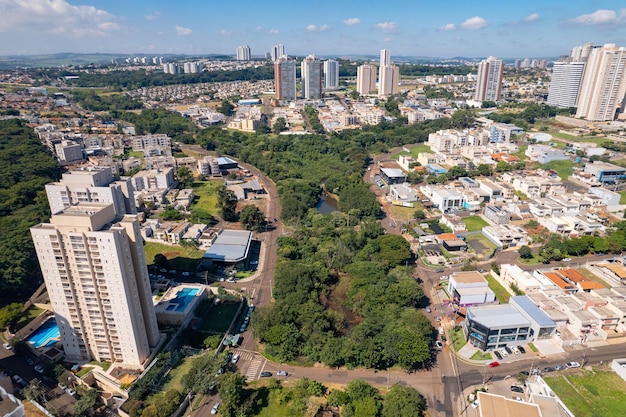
point(444, 28)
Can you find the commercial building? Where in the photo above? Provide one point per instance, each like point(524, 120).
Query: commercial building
point(230, 247)
point(565, 84)
point(492, 405)
point(311, 77)
point(605, 172)
point(604, 84)
point(94, 267)
point(91, 184)
point(392, 176)
point(331, 74)
point(366, 79)
point(285, 79)
point(516, 323)
point(243, 53)
point(489, 79)
point(470, 288)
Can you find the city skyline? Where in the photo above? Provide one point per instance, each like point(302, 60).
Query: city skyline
point(530, 28)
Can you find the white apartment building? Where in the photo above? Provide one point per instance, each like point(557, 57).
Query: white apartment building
point(278, 51)
point(604, 84)
point(388, 80)
point(452, 140)
point(565, 84)
point(68, 151)
point(366, 79)
point(331, 74)
point(95, 272)
point(311, 78)
point(243, 53)
point(489, 79)
point(161, 179)
point(91, 184)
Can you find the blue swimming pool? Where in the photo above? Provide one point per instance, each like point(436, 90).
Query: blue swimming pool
point(182, 300)
point(46, 335)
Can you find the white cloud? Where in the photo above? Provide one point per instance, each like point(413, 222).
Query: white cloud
point(274, 31)
point(152, 16)
point(448, 27)
point(531, 18)
point(600, 17)
point(315, 28)
point(386, 27)
point(183, 31)
point(55, 16)
point(352, 21)
point(474, 23)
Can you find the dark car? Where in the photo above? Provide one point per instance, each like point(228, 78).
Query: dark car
point(508, 350)
point(525, 373)
point(265, 374)
point(549, 369)
point(516, 388)
point(559, 367)
point(498, 355)
point(521, 349)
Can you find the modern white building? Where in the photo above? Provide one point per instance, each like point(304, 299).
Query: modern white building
point(94, 267)
point(469, 288)
point(489, 79)
point(278, 51)
point(565, 84)
point(604, 84)
point(243, 53)
point(91, 184)
point(285, 79)
point(331, 74)
point(366, 79)
point(311, 77)
point(154, 179)
point(388, 80)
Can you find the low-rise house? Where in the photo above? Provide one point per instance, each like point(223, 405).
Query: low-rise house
point(497, 215)
point(453, 222)
point(506, 235)
point(402, 193)
point(470, 288)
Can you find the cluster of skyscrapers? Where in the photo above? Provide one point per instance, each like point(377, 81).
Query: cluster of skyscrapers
point(592, 79)
point(388, 77)
point(187, 67)
point(314, 75)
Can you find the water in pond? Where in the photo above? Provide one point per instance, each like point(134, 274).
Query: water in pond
point(326, 204)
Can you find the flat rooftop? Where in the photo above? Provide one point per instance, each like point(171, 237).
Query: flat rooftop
point(532, 310)
point(469, 277)
point(230, 246)
point(491, 405)
point(497, 316)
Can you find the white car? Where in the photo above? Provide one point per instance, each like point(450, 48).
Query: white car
point(515, 350)
point(7, 346)
point(503, 352)
point(572, 365)
point(234, 359)
point(215, 408)
point(438, 344)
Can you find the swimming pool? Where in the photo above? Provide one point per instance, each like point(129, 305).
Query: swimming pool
point(183, 298)
point(46, 335)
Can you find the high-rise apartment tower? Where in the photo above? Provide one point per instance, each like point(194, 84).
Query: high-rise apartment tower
point(311, 77)
point(489, 79)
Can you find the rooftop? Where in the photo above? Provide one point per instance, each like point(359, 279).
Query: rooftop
point(496, 316)
point(532, 310)
point(230, 246)
point(469, 277)
point(492, 405)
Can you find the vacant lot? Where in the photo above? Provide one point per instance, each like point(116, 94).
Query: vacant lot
point(218, 317)
point(474, 223)
point(591, 393)
point(415, 151)
point(481, 245)
point(178, 257)
point(204, 207)
point(501, 294)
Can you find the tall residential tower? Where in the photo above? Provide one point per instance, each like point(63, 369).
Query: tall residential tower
point(285, 79)
point(278, 51)
point(489, 80)
point(311, 77)
point(94, 267)
point(388, 75)
point(243, 53)
point(366, 79)
point(331, 74)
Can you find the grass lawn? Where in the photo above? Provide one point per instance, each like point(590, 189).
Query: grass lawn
point(415, 151)
point(136, 154)
point(622, 197)
point(179, 257)
point(532, 347)
point(563, 168)
point(218, 317)
point(176, 375)
point(521, 152)
point(457, 338)
point(591, 393)
point(530, 261)
point(502, 294)
point(27, 316)
point(474, 223)
point(481, 356)
point(487, 245)
point(204, 205)
point(402, 214)
point(587, 273)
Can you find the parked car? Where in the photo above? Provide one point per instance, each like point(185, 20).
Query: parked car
point(234, 359)
point(186, 274)
point(438, 344)
point(572, 365)
point(19, 380)
point(525, 373)
point(7, 346)
point(549, 369)
point(515, 350)
point(503, 352)
point(517, 388)
point(498, 355)
point(559, 367)
point(282, 373)
point(535, 371)
point(508, 350)
point(265, 374)
point(494, 364)
point(70, 391)
point(428, 310)
point(521, 349)
point(216, 407)
point(39, 369)
point(441, 331)
point(30, 362)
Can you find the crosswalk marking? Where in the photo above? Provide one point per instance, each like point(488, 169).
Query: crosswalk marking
point(244, 354)
point(253, 369)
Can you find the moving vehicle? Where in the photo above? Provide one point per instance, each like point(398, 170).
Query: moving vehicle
point(265, 374)
point(438, 344)
point(234, 359)
point(572, 365)
point(215, 408)
point(494, 364)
